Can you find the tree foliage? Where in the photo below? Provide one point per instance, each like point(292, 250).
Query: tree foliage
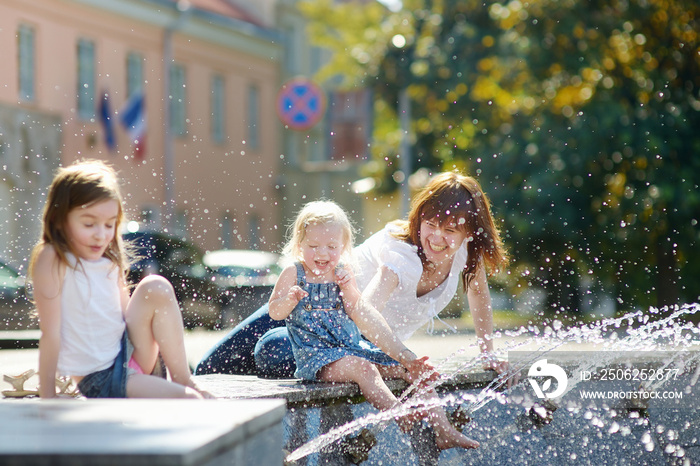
point(581, 118)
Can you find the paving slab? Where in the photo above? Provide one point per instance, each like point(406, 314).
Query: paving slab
point(135, 432)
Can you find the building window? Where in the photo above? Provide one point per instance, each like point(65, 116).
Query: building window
point(181, 224)
point(134, 73)
point(291, 154)
point(25, 53)
point(317, 153)
point(291, 55)
point(178, 109)
point(218, 109)
point(253, 118)
point(86, 79)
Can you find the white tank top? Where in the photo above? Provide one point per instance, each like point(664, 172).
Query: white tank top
point(92, 323)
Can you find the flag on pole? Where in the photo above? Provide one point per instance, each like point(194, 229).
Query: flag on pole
point(107, 123)
point(134, 120)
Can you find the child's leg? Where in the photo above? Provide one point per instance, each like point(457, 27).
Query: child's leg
point(154, 323)
point(149, 386)
point(446, 436)
point(363, 373)
point(369, 377)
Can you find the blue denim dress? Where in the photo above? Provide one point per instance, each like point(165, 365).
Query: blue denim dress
point(321, 332)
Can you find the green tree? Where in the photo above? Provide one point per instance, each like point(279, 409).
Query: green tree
point(581, 117)
point(618, 86)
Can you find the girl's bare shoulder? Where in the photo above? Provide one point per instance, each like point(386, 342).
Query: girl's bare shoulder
point(46, 253)
point(48, 261)
point(289, 272)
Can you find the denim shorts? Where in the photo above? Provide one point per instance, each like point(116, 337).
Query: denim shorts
point(110, 382)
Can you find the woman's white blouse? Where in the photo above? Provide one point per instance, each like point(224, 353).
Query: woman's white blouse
point(405, 312)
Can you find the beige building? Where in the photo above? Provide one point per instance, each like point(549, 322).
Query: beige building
point(217, 166)
point(222, 141)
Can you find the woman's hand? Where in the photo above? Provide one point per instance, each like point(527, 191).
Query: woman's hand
point(501, 367)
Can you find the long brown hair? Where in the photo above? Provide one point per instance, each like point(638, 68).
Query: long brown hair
point(83, 183)
point(451, 196)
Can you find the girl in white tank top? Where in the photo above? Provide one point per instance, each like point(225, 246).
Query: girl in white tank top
point(92, 328)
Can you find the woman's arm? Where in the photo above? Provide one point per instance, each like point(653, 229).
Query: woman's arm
point(479, 299)
point(373, 325)
point(286, 294)
point(47, 279)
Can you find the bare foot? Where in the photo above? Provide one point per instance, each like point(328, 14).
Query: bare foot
point(204, 393)
point(407, 421)
point(453, 440)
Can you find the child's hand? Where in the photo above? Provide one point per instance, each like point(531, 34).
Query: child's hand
point(344, 277)
point(420, 368)
point(296, 293)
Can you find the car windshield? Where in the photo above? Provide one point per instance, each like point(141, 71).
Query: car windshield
point(8, 277)
point(239, 270)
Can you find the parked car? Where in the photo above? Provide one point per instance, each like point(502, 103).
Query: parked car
point(16, 309)
point(247, 277)
point(178, 260)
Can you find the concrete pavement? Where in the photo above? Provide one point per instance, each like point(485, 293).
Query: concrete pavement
point(197, 342)
point(446, 348)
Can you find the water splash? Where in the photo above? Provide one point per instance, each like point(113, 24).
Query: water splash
point(635, 331)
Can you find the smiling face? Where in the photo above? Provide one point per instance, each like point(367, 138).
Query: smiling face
point(90, 229)
point(440, 241)
point(322, 248)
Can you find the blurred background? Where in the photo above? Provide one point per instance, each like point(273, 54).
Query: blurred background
point(580, 118)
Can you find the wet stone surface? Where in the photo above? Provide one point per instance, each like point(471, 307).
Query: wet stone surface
point(296, 391)
point(509, 429)
point(314, 409)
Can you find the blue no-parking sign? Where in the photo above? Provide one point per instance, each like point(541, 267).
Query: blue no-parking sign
point(300, 104)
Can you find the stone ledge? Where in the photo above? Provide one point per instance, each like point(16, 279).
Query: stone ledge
point(146, 432)
point(298, 392)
